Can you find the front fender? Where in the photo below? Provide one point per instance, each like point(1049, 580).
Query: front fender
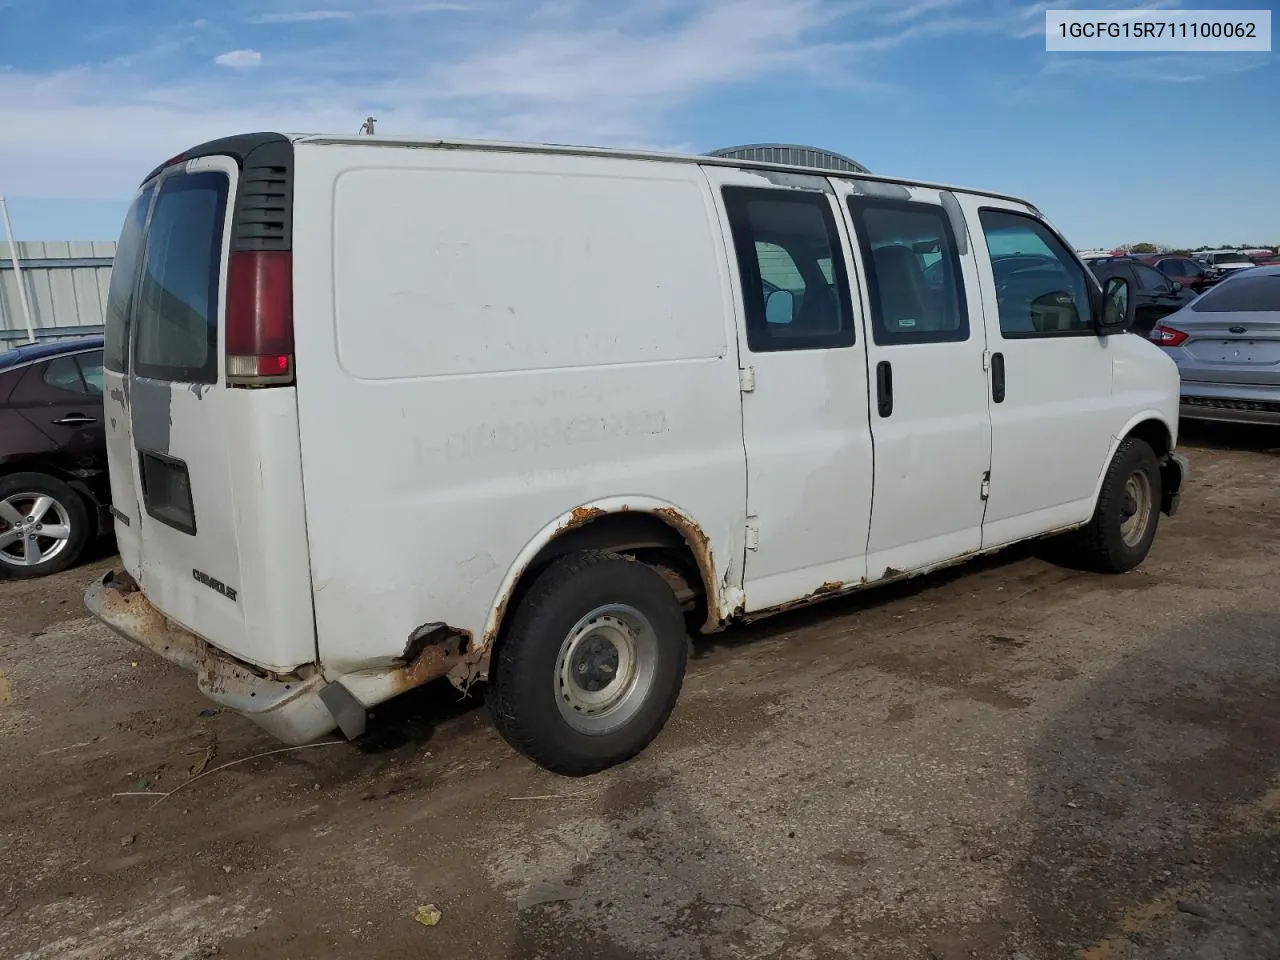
point(1148, 414)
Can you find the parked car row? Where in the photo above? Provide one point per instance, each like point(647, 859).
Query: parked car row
point(1224, 339)
point(1155, 295)
point(1226, 261)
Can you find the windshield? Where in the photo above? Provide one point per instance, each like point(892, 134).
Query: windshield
point(1231, 258)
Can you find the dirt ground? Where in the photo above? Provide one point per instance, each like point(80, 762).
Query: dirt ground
point(1010, 760)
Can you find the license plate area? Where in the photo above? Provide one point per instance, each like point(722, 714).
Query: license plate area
point(166, 491)
point(1238, 351)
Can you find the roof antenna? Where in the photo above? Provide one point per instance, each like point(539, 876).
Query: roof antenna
point(367, 126)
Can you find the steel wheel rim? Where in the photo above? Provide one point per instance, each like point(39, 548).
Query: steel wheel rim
point(605, 669)
point(34, 528)
point(1135, 508)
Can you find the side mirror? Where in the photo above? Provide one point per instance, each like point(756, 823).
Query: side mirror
point(780, 307)
point(1117, 307)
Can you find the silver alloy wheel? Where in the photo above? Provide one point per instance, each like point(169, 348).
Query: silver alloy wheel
point(605, 669)
point(34, 528)
point(1135, 509)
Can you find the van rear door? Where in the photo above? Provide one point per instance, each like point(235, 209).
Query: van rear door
point(207, 475)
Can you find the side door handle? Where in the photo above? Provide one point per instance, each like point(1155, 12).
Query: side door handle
point(75, 420)
point(884, 388)
point(997, 377)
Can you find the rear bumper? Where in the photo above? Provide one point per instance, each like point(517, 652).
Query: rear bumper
point(289, 709)
point(298, 708)
point(1218, 405)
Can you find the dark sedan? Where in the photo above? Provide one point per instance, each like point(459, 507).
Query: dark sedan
point(1183, 270)
point(54, 488)
point(1155, 295)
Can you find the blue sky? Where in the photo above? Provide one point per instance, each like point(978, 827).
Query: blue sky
point(1174, 148)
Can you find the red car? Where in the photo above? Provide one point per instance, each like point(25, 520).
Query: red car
point(1181, 270)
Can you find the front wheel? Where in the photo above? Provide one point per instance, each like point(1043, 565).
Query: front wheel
point(1124, 522)
point(592, 665)
point(44, 525)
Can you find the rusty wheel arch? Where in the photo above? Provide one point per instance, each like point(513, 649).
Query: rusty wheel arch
point(656, 536)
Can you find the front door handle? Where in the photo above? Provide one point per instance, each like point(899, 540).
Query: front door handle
point(75, 420)
point(884, 388)
point(997, 377)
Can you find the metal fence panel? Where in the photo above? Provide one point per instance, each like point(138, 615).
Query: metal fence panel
point(66, 284)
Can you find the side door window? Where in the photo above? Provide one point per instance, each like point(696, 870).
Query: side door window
point(63, 375)
point(1176, 269)
point(91, 370)
point(795, 292)
point(1046, 292)
point(1152, 281)
point(913, 272)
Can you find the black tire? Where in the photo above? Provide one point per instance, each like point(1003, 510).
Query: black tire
point(66, 502)
point(527, 697)
point(1101, 545)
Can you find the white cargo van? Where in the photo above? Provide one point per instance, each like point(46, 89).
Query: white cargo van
point(382, 411)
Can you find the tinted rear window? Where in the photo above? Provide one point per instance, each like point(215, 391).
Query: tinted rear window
point(124, 272)
point(1241, 295)
point(176, 322)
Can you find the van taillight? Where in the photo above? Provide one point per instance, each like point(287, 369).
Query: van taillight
point(260, 318)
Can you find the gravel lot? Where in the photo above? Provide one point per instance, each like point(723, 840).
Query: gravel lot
point(1010, 760)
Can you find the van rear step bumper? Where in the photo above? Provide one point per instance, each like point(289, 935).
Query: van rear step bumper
point(291, 710)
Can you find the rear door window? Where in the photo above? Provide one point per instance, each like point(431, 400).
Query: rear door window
point(176, 333)
point(124, 274)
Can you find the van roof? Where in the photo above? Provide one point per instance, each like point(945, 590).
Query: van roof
point(240, 145)
point(628, 153)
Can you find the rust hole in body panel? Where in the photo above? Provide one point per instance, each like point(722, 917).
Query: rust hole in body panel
point(433, 651)
point(580, 517)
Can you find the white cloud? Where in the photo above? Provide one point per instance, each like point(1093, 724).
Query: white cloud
point(303, 16)
point(239, 59)
point(608, 72)
point(361, 11)
point(200, 24)
point(1170, 68)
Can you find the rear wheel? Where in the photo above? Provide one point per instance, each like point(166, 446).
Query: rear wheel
point(1119, 536)
point(44, 525)
point(592, 665)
